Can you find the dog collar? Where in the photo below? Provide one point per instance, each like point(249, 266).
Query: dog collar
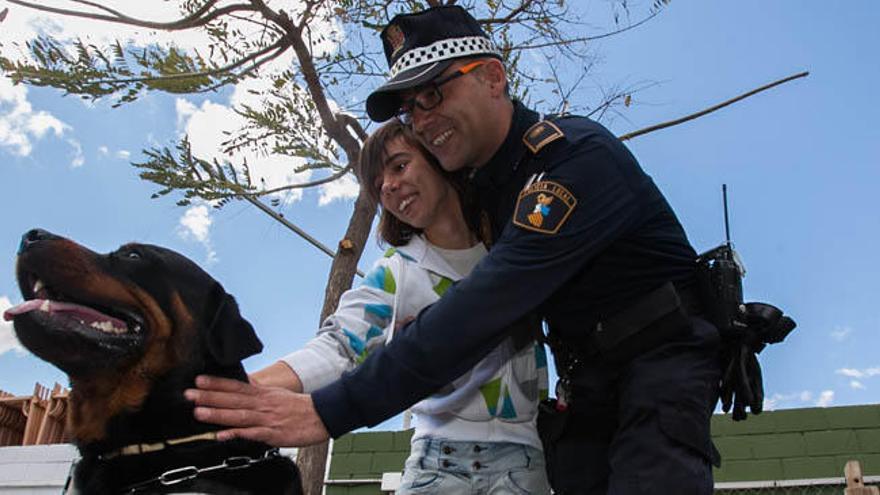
point(146, 448)
point(187, 473)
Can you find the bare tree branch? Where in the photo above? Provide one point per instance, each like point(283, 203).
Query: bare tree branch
point(664, 125)
point(571, 41)
point(510, 16)
point(196, 19)
point(301, 185)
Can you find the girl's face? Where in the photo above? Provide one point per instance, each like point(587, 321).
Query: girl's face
point(411, 189)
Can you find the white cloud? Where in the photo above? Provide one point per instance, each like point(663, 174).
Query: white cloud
point(825, 398)
point(794, 399)
point(206, 126)
point(104, 150)
point(195, 225)
point(856, 385)
point(863, 373)
point(40, 123)
point(841, 333)
point(8, 341)
point(78, 158)
point(19, 123)
point(345, 187)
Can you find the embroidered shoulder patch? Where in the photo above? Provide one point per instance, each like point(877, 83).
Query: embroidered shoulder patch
point(541, 134)
point(543, 207)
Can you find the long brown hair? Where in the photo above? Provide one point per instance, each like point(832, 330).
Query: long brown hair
point(371, 167)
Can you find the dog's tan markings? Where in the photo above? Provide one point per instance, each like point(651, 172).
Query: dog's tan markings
point(184, 327)
point(126, 389)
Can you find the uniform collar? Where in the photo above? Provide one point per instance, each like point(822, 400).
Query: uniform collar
point(501, 167)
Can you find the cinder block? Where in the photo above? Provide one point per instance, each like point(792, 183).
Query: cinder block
point(755, 424)
point(831, 442)
point(402, 440)
point(343, 444)
point(870, 464)
point(352, 465)
point(810, 419)
point(734, 448)
point(373, 441)
point(853, 417)
point(869, 441)
point(370, 489)
point(388, 462)
point(780, 445)
point(812, 467)
point(722, 426)
point(750, 470)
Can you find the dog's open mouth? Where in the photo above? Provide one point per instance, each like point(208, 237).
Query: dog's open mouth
point(73, 329)
point(44, 298)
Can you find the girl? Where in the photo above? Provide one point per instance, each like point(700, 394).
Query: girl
point(478, 434)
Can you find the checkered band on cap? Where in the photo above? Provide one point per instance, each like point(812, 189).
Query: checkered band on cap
point(444, 50)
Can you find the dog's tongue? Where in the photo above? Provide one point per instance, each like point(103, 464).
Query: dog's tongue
point(85, 314)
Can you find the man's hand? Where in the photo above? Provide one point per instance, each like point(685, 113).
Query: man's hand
point(272, 415)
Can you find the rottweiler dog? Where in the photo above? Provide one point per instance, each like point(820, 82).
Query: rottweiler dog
point(132, 329)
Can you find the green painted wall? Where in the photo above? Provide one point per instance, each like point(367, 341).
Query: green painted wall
point(776, 445)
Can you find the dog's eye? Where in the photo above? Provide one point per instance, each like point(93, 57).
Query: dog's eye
point(132, 255)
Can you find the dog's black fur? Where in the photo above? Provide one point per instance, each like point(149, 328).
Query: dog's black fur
point(127, 384)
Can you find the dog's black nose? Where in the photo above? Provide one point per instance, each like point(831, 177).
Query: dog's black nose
point(34, 236)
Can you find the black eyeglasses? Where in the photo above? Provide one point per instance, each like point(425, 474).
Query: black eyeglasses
point(429, 96)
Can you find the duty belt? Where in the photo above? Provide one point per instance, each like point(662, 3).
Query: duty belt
point(655, 318)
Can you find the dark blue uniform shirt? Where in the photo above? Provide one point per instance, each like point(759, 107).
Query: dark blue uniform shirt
point(618, 240)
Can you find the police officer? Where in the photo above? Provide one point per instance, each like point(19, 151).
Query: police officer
point(581, 235)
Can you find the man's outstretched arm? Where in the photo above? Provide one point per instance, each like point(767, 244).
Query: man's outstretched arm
point(448, 338)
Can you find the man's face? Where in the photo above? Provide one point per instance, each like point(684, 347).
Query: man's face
point(462, 130)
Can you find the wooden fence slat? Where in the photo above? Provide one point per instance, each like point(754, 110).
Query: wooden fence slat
point(855, 485)
point(34, 409)
point(12, 421)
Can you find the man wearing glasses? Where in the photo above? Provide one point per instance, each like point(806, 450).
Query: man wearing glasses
point(581, 235)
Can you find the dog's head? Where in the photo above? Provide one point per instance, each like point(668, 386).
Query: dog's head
point(125, 318)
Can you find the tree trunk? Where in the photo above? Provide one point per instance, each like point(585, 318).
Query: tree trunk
point(312, 460)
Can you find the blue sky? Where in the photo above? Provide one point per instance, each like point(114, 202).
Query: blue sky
point(802, 163)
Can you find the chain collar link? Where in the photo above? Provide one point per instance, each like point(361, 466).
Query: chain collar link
point(179, 475)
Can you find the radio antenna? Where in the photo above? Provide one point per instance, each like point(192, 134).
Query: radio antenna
point(726, 221)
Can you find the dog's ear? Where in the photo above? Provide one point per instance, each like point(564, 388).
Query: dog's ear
point(229, 337)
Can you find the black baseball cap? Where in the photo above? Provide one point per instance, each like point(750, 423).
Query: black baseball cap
point(419, 47)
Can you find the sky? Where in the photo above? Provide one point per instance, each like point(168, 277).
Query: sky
point(801, 162)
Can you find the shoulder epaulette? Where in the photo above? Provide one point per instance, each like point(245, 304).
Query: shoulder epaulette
point(541, 134)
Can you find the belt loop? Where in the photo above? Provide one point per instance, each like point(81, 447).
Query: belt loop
point(426, 448)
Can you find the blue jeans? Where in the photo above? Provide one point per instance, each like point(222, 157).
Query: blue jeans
point(445, 467)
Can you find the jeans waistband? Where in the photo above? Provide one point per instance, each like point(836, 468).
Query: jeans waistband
point(471, 457)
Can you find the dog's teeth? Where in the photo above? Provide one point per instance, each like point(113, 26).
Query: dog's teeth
point(106, 327)
point(45, 306)
point(37, 286)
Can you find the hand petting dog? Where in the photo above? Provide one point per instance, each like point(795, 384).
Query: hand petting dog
point(272, 415)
